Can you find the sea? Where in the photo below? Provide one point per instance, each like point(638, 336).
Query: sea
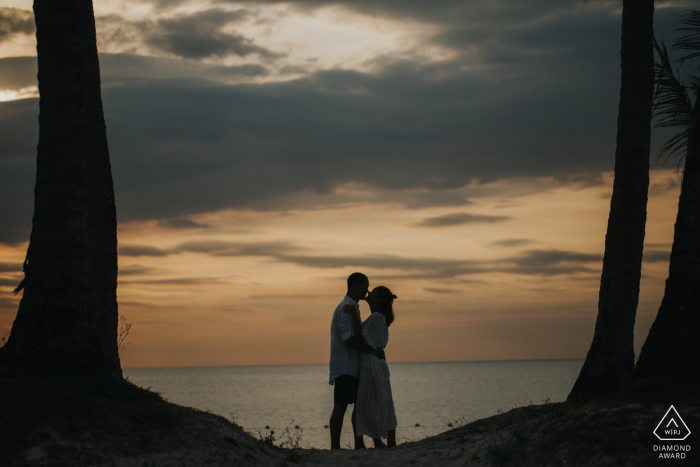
point(292, 404)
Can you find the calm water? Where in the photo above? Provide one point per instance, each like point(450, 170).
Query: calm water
point(429, 394)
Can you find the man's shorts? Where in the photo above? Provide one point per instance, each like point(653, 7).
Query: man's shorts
point(345, 391)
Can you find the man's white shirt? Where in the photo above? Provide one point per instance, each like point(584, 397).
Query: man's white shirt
point(344, 360)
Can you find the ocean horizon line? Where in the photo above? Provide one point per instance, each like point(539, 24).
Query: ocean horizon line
point(324, 364)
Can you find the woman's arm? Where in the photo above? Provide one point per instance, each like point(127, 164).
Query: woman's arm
point(356, 325)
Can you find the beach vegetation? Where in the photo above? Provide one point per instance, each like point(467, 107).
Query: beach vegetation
point(124, 328)
point(267, 438)
point(670, 358)
point(288, 443)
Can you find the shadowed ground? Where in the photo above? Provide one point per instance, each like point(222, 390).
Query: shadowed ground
point(63, 422)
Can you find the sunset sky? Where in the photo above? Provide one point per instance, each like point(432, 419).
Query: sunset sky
point(458, 152)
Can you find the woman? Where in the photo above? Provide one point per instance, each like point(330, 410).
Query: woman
point(376, 417)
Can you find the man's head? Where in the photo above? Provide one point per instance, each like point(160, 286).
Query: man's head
point(358, 286)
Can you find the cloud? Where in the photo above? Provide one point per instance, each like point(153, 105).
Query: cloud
point(10, 282)
point(140, 250)
point(440, 291)
point(134, 269)
point(532, 262)
point(184, 281)
point(459, 219)
point(17, 72)
point(667, 185)
point(656, 256)
point(180, 223)
point(510, 242)
point(18, 139)
point(213, 248)
point(198, 35)
point(8, 307)
point(550, 262)
point(216, 248)
point(138, 66)
point(15, 21)
point(433, 131)
point(10, 267)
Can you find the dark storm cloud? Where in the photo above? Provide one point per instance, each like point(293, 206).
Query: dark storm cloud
point(197, 35)
point(15, 21)
point(510, 242)
point(459, 219)
point(20, 72)
point(191, 147)
point(19, 132)
point(529, 99)
point(136, 66)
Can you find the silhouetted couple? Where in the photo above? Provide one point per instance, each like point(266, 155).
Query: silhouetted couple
point(358, 368)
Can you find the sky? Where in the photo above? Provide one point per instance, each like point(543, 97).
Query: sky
point(458, 152)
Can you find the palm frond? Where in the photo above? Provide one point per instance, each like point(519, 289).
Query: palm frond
point(691, 41)
point(672, 104)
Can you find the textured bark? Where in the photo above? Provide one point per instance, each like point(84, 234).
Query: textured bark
point(610, 361)
point(670, 358)
point(102, 211)
point(67, 318)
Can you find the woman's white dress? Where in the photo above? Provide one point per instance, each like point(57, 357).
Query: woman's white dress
point(375, 406)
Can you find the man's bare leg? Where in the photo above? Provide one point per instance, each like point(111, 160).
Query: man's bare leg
point(359, 441)
point(336, 424)
point(391, 441)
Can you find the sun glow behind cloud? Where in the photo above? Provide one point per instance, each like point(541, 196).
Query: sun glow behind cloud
point(23, 93)
point(239, 287)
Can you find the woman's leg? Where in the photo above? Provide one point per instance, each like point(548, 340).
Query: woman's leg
point(359, 440)
point(391, 441)
point(378, 443)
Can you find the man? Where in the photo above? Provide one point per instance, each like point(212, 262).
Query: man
point(345, 358)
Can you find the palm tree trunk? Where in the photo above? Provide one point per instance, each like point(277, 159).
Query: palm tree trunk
point(670, 358)
point(610, 360)
point(102, 211)
point(67, 319)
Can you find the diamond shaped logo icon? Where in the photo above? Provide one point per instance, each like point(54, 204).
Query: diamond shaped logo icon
point(672, 427)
